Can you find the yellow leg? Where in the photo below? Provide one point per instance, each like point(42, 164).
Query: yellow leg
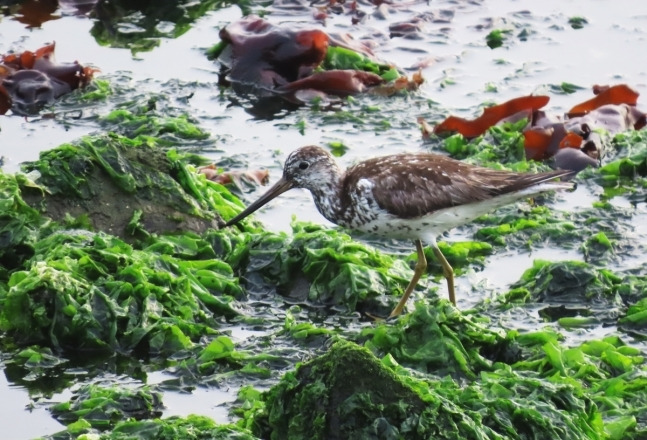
point(448, 271)
point(420, 268)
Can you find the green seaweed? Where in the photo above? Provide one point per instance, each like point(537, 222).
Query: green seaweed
point(73, 289)
point(139, 124)
point(597, 246)
point(97, 90)
point(220, 359)
point(439, 340)
point(565, 88)
point(99, 172)
point(458, 254)
point(577, 22)
point(633, 289)
point(501, 147)
point(440, 372)
point(89, 291)
point(496, 37)
point(544, 391)
point(535, 225)
point(103, 407)
point(636, 315)
point(571, 281)
point(340, 269)
point(20, 224)
point(343, 58)
point(345, 393)
point(611, 373)
point(250, 406)
point(348, 393)
point(600, 232)
point(624, 171)
point(303, 330)
point(315, 264)
point(192, 427)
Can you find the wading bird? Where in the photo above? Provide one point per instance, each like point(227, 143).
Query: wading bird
point(409, 195)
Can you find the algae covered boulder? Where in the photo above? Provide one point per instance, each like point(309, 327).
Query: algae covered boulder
point(345, 393)
point(84, 263)
point(348, 393)
point(123, 185)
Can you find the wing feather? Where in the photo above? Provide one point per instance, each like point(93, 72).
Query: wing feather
point(438, 182)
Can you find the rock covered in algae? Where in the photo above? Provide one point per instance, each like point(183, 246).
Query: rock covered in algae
point(121, 185)
point(345, 393)
point(66, 286)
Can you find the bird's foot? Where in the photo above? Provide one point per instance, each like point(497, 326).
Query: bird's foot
point(394, 314)
point(377, 318)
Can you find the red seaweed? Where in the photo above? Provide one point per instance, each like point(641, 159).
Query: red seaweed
point(491, 116)
point(336, 82)
point(612, 109)
point(30, 80)
point(269, 56)
point(619, 94)
point(277, 61)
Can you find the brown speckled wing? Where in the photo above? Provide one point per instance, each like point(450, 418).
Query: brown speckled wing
point(412, 185)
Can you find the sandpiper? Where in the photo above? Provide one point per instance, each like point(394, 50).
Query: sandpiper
point(410, 195)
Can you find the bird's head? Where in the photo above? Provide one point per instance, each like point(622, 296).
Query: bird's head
point(308, 167)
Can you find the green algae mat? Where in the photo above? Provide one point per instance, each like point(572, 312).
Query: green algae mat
point(156, 283)
point(120, 290)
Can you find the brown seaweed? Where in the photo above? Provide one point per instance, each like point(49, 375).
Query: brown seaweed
point(31, 80)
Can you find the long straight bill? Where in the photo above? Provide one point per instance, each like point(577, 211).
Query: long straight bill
point(279, 188)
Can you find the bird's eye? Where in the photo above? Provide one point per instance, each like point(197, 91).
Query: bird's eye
point(304, 165)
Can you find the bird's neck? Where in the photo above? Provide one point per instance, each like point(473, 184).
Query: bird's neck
point(327, 196)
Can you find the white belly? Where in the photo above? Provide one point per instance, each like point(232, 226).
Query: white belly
point(428, 227)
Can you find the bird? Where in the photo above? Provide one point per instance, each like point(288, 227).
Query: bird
point(417, 195)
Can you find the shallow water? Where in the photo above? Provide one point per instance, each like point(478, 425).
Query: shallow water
point(461, 74)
